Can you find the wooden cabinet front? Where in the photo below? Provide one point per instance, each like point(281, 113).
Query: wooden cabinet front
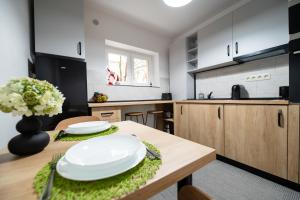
point(256, 135)
point(107, 114)
point(206, 126)
point(182, 120)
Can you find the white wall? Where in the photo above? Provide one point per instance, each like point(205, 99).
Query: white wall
point(120, 31)
point(221, 80)
point(181, 83)
point(14, 53)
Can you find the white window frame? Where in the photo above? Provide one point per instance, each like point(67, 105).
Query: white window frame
point(120, 52)
point(130, 73)
point(150, 67)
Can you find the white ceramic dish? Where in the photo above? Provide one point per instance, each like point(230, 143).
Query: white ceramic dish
point(88, 130)
point(68, 171)
point(87, 124)
point(103, 152)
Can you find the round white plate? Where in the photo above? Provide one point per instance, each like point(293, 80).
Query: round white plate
point(87, 124)
point(88, 130)
point(68, 171)
point(102, 152)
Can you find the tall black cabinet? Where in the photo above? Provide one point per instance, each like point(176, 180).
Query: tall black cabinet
point(69, 75)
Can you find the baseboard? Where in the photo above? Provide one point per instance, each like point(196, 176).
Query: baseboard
point(276, 179)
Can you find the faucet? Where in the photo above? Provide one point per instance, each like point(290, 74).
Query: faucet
point(209, 95)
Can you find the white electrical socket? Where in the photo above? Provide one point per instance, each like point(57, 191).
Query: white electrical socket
point(266, 76)
point(258, 77)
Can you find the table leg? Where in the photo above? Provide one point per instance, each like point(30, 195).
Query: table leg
point(184, 182)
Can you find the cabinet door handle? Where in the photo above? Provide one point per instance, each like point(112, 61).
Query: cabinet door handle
point(181, 110)
point(280, 119)
point(296, 52)
point(107, 114)
point(228, 50)
point(237, 48)
point(79, 48)
point(219, 112)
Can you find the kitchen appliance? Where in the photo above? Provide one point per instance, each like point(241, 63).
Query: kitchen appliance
point(294, 56)
point(209, 96)
point(201, 96)
point(69, 75)
point(236, 92)
point(284, 92)
point(166, 96)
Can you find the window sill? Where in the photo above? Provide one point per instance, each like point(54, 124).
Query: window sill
point(135, 85)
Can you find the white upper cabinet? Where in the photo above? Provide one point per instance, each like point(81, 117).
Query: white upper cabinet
point(59, 27)
point(259, 25)
point(215, 43)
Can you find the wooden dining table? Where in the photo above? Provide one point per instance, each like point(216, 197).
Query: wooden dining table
point(180, 159)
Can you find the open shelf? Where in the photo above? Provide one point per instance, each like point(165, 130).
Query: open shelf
point(192, 51)
point(193, 60)
point(169, 119)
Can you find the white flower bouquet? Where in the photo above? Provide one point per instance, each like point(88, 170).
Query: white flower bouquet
point(27, 96)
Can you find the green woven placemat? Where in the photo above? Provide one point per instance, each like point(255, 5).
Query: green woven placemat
point(106, 189)
point(71, 137)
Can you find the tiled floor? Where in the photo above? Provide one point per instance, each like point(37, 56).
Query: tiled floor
point(225, 182)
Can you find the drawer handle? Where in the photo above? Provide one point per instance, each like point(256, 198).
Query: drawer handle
point(237, 48)
point(181, 110)
point(108, 114)
point(219, 113)
point(280, 119)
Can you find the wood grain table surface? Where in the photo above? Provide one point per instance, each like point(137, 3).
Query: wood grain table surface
point(180, 158)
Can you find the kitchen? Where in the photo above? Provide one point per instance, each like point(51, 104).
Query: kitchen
point(212, 85)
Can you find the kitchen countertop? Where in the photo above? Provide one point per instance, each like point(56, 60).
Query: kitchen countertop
point(227, 101)
point(256, 101)
point(129, 103)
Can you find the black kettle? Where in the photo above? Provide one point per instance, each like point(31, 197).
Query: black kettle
point(236, 92)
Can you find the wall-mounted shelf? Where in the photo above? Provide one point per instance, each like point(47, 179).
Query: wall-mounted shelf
point(169, 119)
point(194, 60)
point(192, 51)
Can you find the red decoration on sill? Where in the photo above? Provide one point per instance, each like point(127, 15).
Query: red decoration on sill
point(112, 77)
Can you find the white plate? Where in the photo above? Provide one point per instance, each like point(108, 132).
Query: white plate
point(87, 124)
point(68, 171)
point(88, 130)
point(107, 151)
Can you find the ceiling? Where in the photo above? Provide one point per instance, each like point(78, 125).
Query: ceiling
point(158, 17)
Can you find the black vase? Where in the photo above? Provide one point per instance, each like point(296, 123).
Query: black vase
point(31, 140)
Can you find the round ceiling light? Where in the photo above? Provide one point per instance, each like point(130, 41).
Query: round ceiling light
point(177, 3)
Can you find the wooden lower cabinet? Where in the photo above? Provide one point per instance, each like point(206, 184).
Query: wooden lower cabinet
point(293, 143)
point(201, 123)
point(181, 118)
point(206, 125)
point(107, 114)
point(256, 135)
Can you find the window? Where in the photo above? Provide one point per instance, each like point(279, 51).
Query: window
point(118, 64)
point(132, 67)
point(141, 70)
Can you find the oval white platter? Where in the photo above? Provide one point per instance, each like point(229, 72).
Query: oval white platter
point(88, 130)
point(87, 124)
point(94, 171)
